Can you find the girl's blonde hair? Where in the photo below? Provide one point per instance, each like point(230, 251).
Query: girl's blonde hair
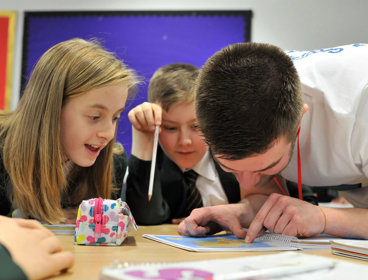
point(30, 136)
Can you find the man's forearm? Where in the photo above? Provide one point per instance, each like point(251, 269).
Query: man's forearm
point(350, 223)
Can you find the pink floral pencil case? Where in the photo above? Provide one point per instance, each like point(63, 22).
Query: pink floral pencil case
point(103, 222)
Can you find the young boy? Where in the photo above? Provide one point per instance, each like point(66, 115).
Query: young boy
point(181, 148)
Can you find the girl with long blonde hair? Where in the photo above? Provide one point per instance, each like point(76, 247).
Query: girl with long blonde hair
point(57, 147)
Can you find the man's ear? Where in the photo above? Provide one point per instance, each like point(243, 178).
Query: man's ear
point(305, 109)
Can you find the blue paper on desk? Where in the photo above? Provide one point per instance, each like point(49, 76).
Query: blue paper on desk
point(228, 242)
point(223, 242)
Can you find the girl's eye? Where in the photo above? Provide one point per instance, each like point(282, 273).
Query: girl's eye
point(116, 118)
point(94, 118)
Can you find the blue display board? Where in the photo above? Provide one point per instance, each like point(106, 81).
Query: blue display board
point(145, 41)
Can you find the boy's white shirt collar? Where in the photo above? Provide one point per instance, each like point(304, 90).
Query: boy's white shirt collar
point(205, 167)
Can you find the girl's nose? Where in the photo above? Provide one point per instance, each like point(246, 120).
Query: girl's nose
point(107, 131)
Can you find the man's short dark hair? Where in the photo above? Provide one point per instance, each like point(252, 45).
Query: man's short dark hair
point(248, 95)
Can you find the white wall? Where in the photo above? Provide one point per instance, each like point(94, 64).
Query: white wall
point(289, 24)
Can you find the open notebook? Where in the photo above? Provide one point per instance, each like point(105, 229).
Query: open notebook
point(225, 242)
point(284, 265)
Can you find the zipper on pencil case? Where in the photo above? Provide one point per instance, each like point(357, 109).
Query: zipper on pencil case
point(98, 215)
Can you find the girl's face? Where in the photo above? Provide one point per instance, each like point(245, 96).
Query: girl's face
point(88, 122)
point(180, 138)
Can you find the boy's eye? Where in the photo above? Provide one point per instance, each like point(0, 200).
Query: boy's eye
point(196, 126)
point(94, 118)
point(117, 118)
point(170, 128)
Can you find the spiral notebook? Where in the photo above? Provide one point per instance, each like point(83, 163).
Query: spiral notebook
point(226, 242)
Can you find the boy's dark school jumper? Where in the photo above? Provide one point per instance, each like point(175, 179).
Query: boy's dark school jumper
point(169, 191)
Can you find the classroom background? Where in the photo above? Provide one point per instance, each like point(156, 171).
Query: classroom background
point(289, 24)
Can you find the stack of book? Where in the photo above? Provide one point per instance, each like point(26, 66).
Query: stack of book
point(357, 249)
point(61, 229)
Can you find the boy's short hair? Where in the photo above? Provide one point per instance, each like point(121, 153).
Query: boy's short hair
point(248, 95)
point(173, 83)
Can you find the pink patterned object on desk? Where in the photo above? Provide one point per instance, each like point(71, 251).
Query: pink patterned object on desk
point(103, 222)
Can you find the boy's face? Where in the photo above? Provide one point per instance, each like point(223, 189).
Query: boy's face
point(259, 169)
point(180, 138)
point(88, 122)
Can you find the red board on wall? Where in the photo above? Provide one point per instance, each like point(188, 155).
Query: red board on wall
point(7, 30)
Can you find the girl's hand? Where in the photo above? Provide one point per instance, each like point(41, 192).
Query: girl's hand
point(70, 215)
point(34, 248)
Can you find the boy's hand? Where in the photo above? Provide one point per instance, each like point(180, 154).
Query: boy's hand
point(286, 215)
point(144, 118)
point(209, 220)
